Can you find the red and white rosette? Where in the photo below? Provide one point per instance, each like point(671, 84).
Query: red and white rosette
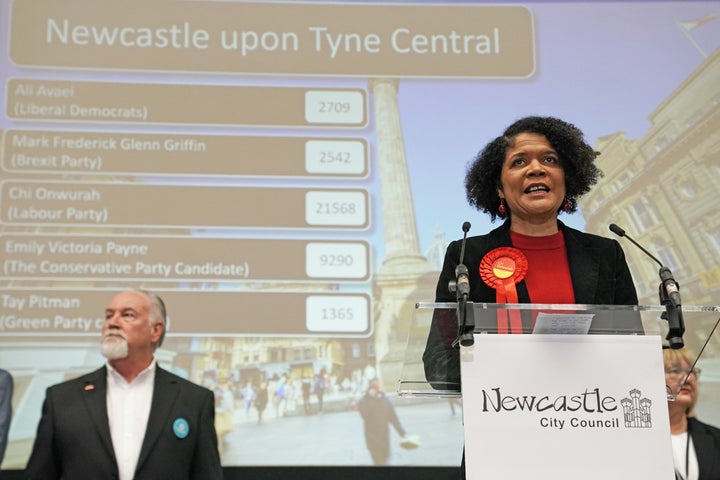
point(502, 269)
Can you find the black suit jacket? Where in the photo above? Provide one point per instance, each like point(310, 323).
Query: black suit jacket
point(598, 269)
point(73, 438)
point(6, 393)
point(706, 440)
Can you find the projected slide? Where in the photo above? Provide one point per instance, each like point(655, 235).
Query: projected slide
point(287, 176)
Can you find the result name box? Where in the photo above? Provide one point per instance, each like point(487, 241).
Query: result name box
point(155, 103)
point(80, 313)
point(182, 258)
point(145, 205)
point(103, 153)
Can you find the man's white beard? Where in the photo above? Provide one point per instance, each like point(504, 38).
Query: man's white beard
point(114, 346)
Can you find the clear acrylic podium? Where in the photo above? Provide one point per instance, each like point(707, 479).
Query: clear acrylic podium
point(581, 393)
point(700, 322)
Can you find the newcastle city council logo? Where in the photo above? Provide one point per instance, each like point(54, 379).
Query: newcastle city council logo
point(588, 409)
point(636, 410)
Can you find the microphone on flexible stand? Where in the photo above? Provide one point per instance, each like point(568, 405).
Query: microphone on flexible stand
point(461, 287)
point(669, 293)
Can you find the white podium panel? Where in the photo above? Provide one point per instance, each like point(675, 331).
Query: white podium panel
point(565, 407)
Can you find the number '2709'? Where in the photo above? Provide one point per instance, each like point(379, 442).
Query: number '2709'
point(334, 107)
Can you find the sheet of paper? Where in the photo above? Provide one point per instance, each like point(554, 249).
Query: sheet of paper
point(563, 323)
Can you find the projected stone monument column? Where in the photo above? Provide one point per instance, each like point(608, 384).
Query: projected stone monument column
point(405, 276)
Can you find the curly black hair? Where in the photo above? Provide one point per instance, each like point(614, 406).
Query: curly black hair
point(482, 179)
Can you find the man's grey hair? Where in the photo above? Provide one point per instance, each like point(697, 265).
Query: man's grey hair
point(158, 313)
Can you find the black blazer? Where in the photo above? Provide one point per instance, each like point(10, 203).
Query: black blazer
point(706, 440)
point(6, 393)
point(73, 437)
point(598, 269)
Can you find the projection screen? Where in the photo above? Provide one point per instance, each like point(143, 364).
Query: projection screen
point(287, 176)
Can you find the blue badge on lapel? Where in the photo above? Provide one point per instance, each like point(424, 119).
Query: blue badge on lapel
point(181, 428)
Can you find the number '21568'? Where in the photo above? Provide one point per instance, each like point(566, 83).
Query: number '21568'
point(334, 208)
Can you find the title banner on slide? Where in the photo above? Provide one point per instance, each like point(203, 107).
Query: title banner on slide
point(475, 41)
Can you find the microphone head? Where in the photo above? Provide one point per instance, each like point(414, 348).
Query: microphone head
point(466, 227)
point(467, 339)
point(617, 230)
point(461, 269)
point(674, 342)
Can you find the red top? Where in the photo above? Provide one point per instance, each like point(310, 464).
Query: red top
point(548, 277)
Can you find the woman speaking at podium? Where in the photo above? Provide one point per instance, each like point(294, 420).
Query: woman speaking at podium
point(534, 171)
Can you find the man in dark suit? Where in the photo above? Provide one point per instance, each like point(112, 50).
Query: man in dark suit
point(130, 419)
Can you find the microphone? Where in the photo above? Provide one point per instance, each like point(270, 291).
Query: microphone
point(671, 287)
point(461, 287)
point(462, 279)
point(669, 293)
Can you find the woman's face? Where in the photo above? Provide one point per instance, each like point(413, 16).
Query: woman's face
point(532, 179)
point(675, 378)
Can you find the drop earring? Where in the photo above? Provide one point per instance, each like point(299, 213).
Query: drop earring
point(502, 208)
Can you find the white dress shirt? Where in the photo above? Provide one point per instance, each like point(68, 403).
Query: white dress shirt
point(128, 408)
point(683, 448)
